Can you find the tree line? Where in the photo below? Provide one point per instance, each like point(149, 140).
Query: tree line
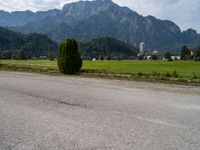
point(186, 54)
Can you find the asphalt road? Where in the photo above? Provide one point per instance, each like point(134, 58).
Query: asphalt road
point(40, 112)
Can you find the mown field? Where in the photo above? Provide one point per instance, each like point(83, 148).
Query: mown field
point(183, 68)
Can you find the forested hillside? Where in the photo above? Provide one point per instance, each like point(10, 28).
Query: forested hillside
point(33, 44)
point(106, 48)
point(40, 45)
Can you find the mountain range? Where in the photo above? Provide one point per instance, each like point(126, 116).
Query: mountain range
point(85, 20)
point(35, 45)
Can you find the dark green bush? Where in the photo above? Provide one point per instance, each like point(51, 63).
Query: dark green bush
point(21, 55)
point(139, 74)
point(50, 56)
point(154, 57)
point(195, 76)
point(185, 53)
point(170, 59)
point(69, 61)
point(168, 74)
point(175, 74)
point(156, 73)
point(167, 55)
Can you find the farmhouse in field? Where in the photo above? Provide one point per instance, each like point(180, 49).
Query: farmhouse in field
point(176, 57)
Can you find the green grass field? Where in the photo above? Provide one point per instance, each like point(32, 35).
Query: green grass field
point(184, 68)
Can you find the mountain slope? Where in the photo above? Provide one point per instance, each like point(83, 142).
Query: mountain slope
point(34, 44)
point(123, 24)
point(20, 18)
point(89, 19)
point(39, 45)
point(106, 47)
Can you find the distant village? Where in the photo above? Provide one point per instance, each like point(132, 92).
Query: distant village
point(144, 54)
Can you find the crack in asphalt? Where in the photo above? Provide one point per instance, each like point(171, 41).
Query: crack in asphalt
point(47, 99)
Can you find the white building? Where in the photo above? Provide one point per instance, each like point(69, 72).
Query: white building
point(156, 53)
point(142, 48)
point(176, 57)
point(192, 54)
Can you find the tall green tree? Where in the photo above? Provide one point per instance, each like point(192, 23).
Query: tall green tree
point(50, 56)
point(20, 55)
point(185, 53)
point(197, 52)
point(69, 61)
point(167, 55)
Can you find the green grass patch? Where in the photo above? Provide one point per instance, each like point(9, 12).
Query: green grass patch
point(184, 68)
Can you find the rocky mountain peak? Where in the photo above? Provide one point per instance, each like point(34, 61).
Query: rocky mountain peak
point(86, 8)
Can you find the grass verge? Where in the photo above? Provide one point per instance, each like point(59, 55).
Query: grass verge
point(155, 76)
point(29, 68)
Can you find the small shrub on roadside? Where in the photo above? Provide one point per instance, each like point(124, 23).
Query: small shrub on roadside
point(156, 74)
point(139, 74)
point(147, 75)
point(195, 76)
point(175, 74)
point(168, 74)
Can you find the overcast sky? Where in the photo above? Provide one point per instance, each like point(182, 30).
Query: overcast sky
point(185, 13)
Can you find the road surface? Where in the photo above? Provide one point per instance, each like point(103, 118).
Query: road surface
point(41, 112)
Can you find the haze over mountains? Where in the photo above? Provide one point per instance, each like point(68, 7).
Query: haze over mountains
point(100, 18)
